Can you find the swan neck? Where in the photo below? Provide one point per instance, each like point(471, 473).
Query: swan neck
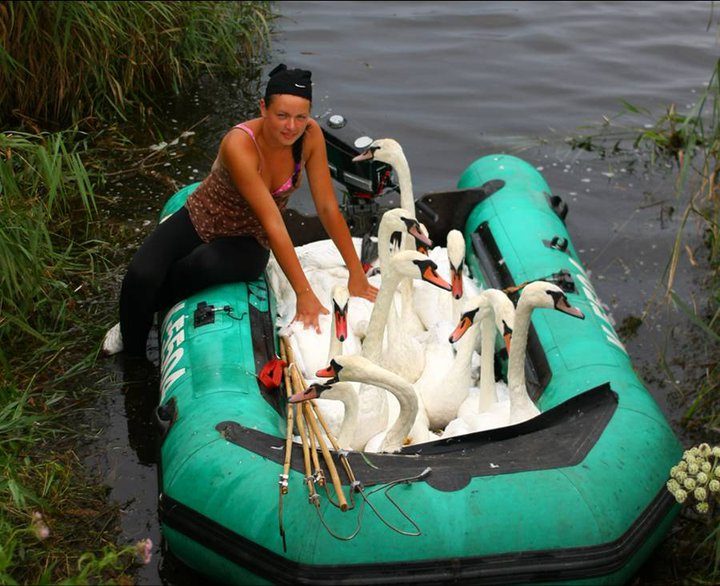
point(487, 362)
point(407, 199)
point(407, 398)
point(372, 345)
point(518, 346)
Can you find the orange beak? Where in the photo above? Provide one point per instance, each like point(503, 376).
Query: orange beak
point(341, 323)
point(431, 276)
point(462, 327)
point(327, 372)
point(457, 282)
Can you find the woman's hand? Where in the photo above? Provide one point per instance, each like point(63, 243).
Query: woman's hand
point(308, 310)
point(359, 286)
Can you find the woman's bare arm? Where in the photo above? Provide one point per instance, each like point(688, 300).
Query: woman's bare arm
point(240, 157)
point(329, 213)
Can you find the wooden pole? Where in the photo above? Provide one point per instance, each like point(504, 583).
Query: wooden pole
point(328, 458)
point(290, 422)
point(333, 441)
point(309, 417)
point(303, 436)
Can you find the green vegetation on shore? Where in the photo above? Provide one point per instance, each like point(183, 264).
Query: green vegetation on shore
point(69, 71)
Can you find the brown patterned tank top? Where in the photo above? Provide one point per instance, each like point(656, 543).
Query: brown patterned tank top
point(218, 209)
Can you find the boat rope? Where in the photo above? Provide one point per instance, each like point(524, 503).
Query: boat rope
point(386, 488)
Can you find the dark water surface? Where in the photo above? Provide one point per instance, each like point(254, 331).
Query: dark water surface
point(453, 82)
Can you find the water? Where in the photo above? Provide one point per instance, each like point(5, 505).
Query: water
point(453, 82)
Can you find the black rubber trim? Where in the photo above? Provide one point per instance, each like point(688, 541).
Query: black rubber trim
point(262, 326)
point(553, 565)
point(497, 275)
point(557, 438)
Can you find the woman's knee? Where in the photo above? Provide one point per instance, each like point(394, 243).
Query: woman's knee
point(142, 278)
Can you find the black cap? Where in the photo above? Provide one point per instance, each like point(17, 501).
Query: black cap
point(296, 82)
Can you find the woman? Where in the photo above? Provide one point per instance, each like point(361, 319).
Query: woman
point(228, 224)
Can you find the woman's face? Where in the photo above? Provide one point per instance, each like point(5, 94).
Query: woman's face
point(286, 117)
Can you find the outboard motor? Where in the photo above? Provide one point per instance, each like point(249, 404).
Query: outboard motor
point(363, 181)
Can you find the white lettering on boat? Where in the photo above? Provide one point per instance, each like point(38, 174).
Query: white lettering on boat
point(172, 351)
point(594, 300)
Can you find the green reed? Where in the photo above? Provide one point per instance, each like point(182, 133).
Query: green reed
point(79, 61)
point(79, 64)
point(46, 206)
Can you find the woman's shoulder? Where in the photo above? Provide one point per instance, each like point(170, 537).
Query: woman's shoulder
point(314, 135)
point(239, 143)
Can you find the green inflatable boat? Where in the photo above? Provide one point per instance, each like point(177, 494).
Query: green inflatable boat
point(574, 495)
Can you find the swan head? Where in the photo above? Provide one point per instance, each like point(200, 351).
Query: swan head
point(546, 295)
point(490, 303)
point(415, 265)
point(396, 224)
point(312, 392)
point(340, 300)
point(456, 257)
point(349, 367)
point(386, 150)
point(423, 242)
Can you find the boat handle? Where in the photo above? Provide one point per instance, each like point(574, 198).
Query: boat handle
point(557, 243)
point(558, 206)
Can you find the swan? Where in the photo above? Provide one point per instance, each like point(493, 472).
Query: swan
point(359, 369)
point(444, 392)
point(396, 228)
point(539, 294)
point(481, 409)
point(491, 309)
point(405, 264)
point(433, 306)
point(311, 349)
point(373, 414)
point(388, 150)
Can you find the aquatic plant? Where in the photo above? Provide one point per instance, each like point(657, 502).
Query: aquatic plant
point(113, 57)
point(695, 483)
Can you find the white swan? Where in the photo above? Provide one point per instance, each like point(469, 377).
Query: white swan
point(443, 401)
point(360, 369)
point(538, 294)
point(341, 419)
point(432, 305)
point(485, 314)
point(389, 151)
point(374, 402)
point(312, 349)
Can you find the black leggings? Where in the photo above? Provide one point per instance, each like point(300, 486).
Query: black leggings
point(172, 264)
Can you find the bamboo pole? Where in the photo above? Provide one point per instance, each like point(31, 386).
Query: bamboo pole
point(309, 417)
point(337, 485)
point(300, 386)
point(333, 441)
point(313, 498)
point(290, 422)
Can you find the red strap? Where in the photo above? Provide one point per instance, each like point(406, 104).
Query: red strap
point(272, 373)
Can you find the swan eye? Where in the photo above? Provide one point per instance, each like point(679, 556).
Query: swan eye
point(506, 328)
point(425, 263)
point(470, 315)
point(558, 296)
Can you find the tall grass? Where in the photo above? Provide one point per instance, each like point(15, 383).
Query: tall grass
point(76, 65)
point(72, 61)
point(46, 204)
